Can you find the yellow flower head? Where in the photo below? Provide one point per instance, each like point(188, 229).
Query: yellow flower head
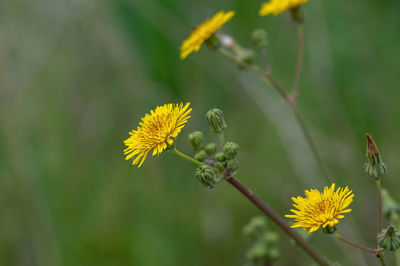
point(204, 31)
point(321, 209)
point(278, 6)
point(156, 130)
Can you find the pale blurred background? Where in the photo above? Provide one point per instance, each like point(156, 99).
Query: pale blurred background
point(76, 76)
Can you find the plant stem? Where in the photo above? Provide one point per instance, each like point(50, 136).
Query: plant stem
point(378, 190)
point(221, 139)
point(264, 75)
point(299, 61)
point(267, 76)
point(370, 250)
point(382, 259)
point(320, 259)
point(310, 142)
point(190, 159)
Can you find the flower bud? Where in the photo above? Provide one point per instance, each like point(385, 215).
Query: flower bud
point(245, 55)
point(215, 119)
point(274, 254)
point(389, 205)
point(210, 149)
point(375, 166)
point(297, 15)
point(213, 42)
point(220, 157)
point(271, 237)
point(196, 138)
point(220, 166)
point(389, 238)
point(255, 228)
point(206, 176)
point(200, 156)
point(230, 150)
point(257, 252)
point(329, 229)
point(260, 38)
point(232, 165)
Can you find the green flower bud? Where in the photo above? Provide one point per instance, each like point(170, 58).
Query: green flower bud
point(297, 15)
point(271, 237)
point(196, 138)
point(220, 157)
point(231, 150)
point(257, 252)
point(260, 38)
point(389, 239)
point(210, 149)
point(245, 55)
point(255, 228)
point(329, 229)
point(220, 166)
point(375, 166)
point(389, 205)
point(273, 254)
point(232, 165)
point(200, 156)
point(206, 176)
point(215, 119)
point(213, 42)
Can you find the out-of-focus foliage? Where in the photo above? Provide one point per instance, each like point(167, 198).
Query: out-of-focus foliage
point(76, 76)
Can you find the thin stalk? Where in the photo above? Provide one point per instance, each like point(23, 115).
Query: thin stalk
point(370, 250)
point(310, 142)
point(382, 259)
point(299, 61)
point(190, 159)
point(378, 190)
point(320, 259)
point(266, 61)
point(264, 75)
point(267, 76)
point(221, 139)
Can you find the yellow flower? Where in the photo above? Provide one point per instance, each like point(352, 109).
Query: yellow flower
point(278, 6)
point(203, 32)
point(156, 130)
point(321, 209)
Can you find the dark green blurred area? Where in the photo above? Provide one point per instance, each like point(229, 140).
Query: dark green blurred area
point(77, 76)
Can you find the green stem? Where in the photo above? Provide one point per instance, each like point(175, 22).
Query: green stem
point(186, 157)
point(221, 139)
point(311, 144)
point(299, 61)
point(264, 75)
point(267, 76)
point(378, 190)
point(382, 259)
point(190, 159)
point(370, 250)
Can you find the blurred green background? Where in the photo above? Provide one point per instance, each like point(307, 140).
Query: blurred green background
point(76, 76)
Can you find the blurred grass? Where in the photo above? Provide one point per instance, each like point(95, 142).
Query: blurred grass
point(76, 76)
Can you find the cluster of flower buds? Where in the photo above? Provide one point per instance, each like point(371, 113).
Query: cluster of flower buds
point(215, 161)
point(227, 158)
point(262, 250)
